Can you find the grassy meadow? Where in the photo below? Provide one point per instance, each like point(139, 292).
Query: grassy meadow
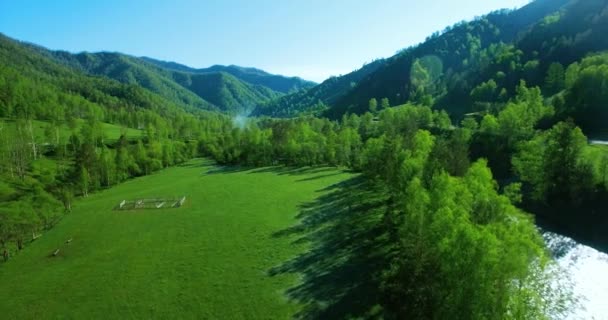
point(218, 257)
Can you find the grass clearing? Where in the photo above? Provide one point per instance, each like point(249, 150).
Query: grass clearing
point(211, 259)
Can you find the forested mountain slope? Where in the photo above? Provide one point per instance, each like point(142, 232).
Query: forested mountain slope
point(130, 70)
point(316, 99)
point(250, 75)
point(464, 67)
point(33, 86)
point(207, 90)
point(444, 70)
point(229, 89)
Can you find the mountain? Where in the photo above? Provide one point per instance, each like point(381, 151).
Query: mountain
point(252, 76)
point(230, 89)
point(451, 68)
point(469, 67)
point(34, 85)
point(316, 99)
point(131, 70)
point(503, 47)
point(225, 90)
point(212, 90)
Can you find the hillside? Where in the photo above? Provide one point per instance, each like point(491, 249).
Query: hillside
point(316, 99)
point(211, 90)
point(33, 85)
point(500, 48)
point(229, 89)
point(504, 46)
point(130, 70)
point(252, 76)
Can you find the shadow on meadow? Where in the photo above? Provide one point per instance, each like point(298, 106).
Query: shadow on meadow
point(323, 171)
point(340, 272)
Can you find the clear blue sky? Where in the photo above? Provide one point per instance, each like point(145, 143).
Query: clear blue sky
point(313, 39)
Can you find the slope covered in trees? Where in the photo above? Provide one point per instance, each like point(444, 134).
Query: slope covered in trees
point(315, 100)
point(229, 89)
point(252, 76)
point(451, 70)
point(471, 66)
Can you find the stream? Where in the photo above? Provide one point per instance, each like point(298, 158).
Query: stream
point(588, 269)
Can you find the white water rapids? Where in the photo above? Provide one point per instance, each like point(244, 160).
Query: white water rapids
point(588, 269)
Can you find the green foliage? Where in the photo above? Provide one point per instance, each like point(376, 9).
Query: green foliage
point(384, 104)
point(453, 246)
point(518, 119)
point(373, 105)
point(440, 227)
point(231, 89)
point(465, 252)
point(484, 95)
point(555, 80)
point(587, 94)
point(316, 99)
point(504, 47)
point(252, 76)
point(553, 164)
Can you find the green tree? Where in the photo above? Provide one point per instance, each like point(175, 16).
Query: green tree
point(517, 121)
point(553, 164)
point(373, 105)
point(555, 80)
point(384, 104)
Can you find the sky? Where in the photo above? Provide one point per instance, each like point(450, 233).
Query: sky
point(312, 39)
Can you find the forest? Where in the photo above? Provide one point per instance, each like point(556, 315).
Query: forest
point(488, 128)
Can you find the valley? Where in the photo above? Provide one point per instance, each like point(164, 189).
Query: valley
point(212, 258)
point(461, 177)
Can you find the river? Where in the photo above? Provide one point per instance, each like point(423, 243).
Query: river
point(588, 269)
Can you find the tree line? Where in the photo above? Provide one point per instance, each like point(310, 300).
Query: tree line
point(460, 246)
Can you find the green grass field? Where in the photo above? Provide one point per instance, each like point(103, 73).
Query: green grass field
point(211, 259)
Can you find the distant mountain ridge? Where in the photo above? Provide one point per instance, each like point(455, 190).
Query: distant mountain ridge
point(450, 70)
point(254, 76)
point(231, 89)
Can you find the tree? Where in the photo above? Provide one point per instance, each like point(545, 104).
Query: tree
point(83, 180)
point(107, 166)
point(518, 119)
point(553, 164)
point(384, 104)
point(373, 105)
point(66, 197)
point(465, 252)
point(587, 97)
point(141, 158)
point(555, 80)
point(17, 151)
point(484, 95)
point(571, 75)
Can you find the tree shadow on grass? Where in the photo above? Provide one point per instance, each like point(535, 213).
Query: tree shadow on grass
point(197, 163)
point(294, 171)
point(280, 170)
point(219, 169)
point(348, 251)
point(320, 176)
